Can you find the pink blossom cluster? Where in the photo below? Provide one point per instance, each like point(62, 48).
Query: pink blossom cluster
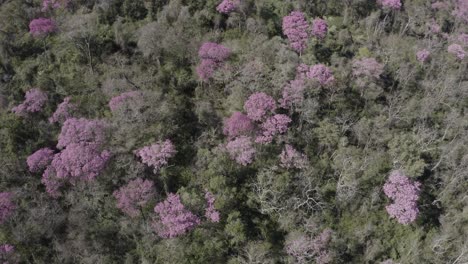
point(390, 4)
point(53, 4)
point(277, 124)
point(295, 29)
point(81, 130)
point(293, 94)
point(461, 10)
point(40, 27)
point(7, 207)
point(320, 73)
point(404, 194)
point(118, 101)
point(241, 150)
point(64, 111)
point(367, 67)
point(7, 254)
point(439, 5)
point(40, 159)
point(212, 57)
point(291, 158)
point(422, 55)
point(237, 125)
point(173, 218)
point(305, 248)
point(136, 194)
point(158, 154)
point(319, 28)
point(227, 6)
point(34, 101)
point(210, 212)
point(258, 105)
point(51, 182)
point(457, 50)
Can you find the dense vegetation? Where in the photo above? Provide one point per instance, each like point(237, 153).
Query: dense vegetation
point(233, 131)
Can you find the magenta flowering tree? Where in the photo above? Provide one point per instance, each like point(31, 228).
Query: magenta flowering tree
point(405, 194)
point(135, 195)
point(295, 28)
point(173, 218)
point(422, 55)
point(34, 101)
point(7, 207)
point(210, 212)
point(258, 105)
point(367, 67)
point(390, 4)
point(241, 150)
point(291, 158)
point(81, 130)
point(53, 4)
point(238, 124)
point(64, 111)
point(51, 182)
point(41, 27)
point(320, 73)
point(319, 28)
point(157, 155)
point(8, 255)
point(277, 124)
point(461, 10)
point(206, 69)
point(128, 97)
point(40, 159)
point(212, 56)
point(304, 249)
point(293, 94)
point(301, 71)
point(457, 50)
point(227, 6)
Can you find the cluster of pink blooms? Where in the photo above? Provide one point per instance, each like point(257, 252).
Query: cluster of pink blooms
point(64, 111)
point(51, 182)
point(136, 194)
point(293, 94)
point(295, 29)
point(7, 206)
point(291, 158)
point(390, 4)
point(158, 154)
point(461, 10)
point(40, 159)
point(40, 27)
point(53, 4)
point(439, 5)
point(241, 150)
point(258, 105)
point(228, 6)
point(81, 130)
point(277, 124)
point(7, 254)
point(212, 57)
point(304, 248)
point(237, 125)
point(457, 50)
point(422, 55)
point(34, 101)
point(319, 28)
point(118, 101)
point(320, 73)
point(173, 218)
point(210, 212)
point(404, 194)
point(368, 67)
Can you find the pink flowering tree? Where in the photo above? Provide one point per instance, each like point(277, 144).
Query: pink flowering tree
point(51, 182)
point(210, 212)
point(291, 158)
point(457, 50)
point(390, 4)
point(157, 155)
point(321, 73)
point(135, 195)
point(277, 124)
point(405, 194)
point(422, 55)
point(173, 219)
point(237, 125)
point(8, 255)
point(295, 28)
point(293, 94)
point(7, 207)
point(460, 10)
point(241, 150)
point(206, 69)
point(304, 249)
point(64, 111)
point(367, 67)
point(35, 100)
point(258, 105)
point(41, 27)
point(81, 130)
point(40, 159)
point(54, 4)
point(125, 98)
point(227, 6)
point(212, 57)
point(319, 28)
